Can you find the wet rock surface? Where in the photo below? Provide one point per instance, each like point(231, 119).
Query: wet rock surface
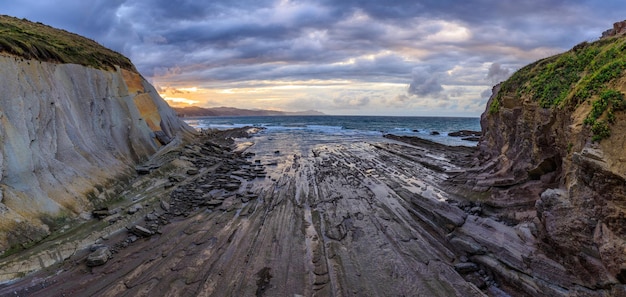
point(360, 219)
point(354, 219)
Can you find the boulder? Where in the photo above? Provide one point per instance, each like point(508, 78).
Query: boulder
point(134, 208)
point(140, 231)
point(99, 257)
point(165, 205)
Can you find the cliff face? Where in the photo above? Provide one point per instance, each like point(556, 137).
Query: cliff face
point(67, 132)
point(553, 154)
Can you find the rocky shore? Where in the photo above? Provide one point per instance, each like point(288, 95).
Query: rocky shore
point(211, 218)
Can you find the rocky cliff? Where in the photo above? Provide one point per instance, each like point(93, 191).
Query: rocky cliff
point(75, 119)
point(552, 159)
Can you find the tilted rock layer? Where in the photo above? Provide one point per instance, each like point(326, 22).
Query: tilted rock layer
point(67, 132)
point(553, 154)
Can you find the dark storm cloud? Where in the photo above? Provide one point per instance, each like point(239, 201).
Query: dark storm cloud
point(368, 41)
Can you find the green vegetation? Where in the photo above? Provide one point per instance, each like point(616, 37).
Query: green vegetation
point(600, 130)
point(587, 68)
point(25, 39)
point(572, 78)
point(495, 106)
point(609, 102)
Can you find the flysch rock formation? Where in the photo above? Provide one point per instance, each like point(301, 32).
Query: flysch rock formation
point(70, 135)
point(552, 169)
point(328, 220)
point(541, 212)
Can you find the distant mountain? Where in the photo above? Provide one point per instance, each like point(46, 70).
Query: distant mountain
point(195, 111)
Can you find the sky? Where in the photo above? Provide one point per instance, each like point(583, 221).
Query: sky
point(349, 57)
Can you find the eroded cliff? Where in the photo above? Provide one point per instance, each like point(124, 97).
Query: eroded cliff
point(552, 158)
point(69, 133)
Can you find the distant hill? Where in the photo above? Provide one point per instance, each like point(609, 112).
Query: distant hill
point(195, 111)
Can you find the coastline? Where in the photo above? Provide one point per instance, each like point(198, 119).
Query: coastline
point(318, 223)
point(216, 219)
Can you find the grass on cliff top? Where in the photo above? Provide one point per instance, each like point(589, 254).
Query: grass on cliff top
point(568, 78)
point(571, 78)
point(36, 41)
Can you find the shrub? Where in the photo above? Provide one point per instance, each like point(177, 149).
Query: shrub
point(495, 106)
point(609, 101)
point(600, 131)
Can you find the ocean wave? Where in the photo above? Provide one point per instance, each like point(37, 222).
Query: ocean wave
point(347, 128)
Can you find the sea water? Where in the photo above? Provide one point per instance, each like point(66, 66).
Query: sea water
point(308, 130)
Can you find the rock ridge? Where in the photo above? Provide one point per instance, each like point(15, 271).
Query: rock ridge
point(546, 169)
point(70, 136)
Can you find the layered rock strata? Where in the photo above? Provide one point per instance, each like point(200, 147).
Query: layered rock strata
point(69, 135)
point(552, 168)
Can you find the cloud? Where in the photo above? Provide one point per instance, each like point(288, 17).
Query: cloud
point(425, 83)
point(441, 51)
point(497, 73)
point(350, 102)
point(486, 94)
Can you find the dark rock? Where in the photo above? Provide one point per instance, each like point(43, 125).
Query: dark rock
point(466, 267)
point(465, 133)
point(476, 210)
point(95, 247)
point(141, 170)
point(101, 213)
point(165, 205)
point(193, 171)
point(99, 257)
point(113, 218)
point(435, 133)
point(151, 217)
point(467, 245)
point(472, 138)
point(478, 281)
point(140, 231)
point(214, 203)
point(232, 186)
point(176, 178)
point(134, 208)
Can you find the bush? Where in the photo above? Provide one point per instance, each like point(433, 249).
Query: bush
point(610, 101)
point(495, 106)
point(600, 130)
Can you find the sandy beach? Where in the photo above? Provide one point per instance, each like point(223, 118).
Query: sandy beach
point(357, 219)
